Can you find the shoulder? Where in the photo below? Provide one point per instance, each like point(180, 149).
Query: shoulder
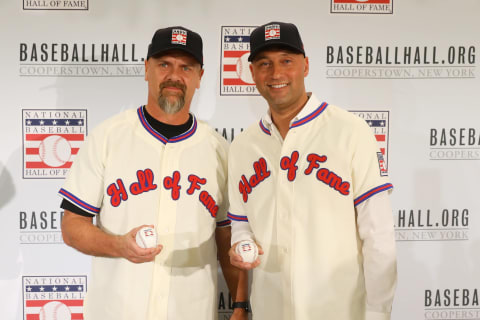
point(346, 119)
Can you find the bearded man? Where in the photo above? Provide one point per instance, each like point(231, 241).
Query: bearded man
point(155, 166)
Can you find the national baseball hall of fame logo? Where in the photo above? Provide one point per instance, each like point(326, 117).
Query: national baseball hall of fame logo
point(51, 140)
point(379, 122)
point(362, 6)
point(53, 297)
point(235, 77)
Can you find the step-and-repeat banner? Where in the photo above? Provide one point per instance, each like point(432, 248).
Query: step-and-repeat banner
point(408, 67)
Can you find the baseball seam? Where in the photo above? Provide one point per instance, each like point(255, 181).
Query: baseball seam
point(41, 151)
point(55, 154)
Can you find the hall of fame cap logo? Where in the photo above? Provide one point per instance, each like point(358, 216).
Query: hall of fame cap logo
point(53, 297)
point(179, 36)
point(362, 6)
point(272, 31)
point(235, 76)
point(51, 140)
point(379, 121)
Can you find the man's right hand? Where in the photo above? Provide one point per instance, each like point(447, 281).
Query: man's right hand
point(132, 252)
point(80, 233)
point(237, 261)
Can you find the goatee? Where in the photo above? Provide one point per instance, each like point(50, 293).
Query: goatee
point(171, 103)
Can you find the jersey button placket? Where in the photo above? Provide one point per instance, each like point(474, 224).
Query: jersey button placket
point(165, 224)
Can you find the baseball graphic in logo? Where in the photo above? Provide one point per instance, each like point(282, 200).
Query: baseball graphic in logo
point(243, 69)
point(55, 151)
point(55, 310)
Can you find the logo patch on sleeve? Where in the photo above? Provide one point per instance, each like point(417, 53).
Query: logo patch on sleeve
point(382, 165)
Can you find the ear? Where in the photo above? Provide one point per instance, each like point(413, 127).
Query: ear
point(307, 67)
point(146, 70)
point(200, 77)
point(251, 71)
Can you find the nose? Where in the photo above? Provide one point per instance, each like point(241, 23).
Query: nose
point(174, 73)
point(276, 71)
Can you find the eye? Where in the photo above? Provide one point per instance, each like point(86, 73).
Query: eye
point(163, 64)
point(187, 68)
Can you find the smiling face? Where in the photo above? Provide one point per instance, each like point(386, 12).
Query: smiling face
point(279, 76)
point(172, 80)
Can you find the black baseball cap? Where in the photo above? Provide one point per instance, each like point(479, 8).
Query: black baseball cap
point(275, 34)
point(176, 38)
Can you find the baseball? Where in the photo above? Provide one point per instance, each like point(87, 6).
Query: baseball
point(243, 69)
point(55, 310)
point(146, 238)
point(248, 250)
point(54, 151)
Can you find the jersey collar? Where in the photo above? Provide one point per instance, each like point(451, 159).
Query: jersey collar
point(190, 132)
point(312, 109)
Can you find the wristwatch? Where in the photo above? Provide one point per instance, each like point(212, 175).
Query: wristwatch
point(241, 305)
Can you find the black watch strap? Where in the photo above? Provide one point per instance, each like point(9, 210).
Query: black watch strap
point(242, 305)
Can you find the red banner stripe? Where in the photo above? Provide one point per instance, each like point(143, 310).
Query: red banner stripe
point(369, 1)
point(235, 82)
point(75, 316)
point(40, 137)
point(41, 303)
point(234, 54)
point(34, 151)
point(229, 67)
point(380, 137)
point(41, 165)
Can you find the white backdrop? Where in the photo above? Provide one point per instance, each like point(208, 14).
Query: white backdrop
point(409, 67)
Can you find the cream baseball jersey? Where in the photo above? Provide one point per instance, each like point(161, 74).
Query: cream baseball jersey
point(299, 196)
point(128, 175)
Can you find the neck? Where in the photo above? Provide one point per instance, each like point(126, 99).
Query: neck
point(282, 117)
point(178, 118)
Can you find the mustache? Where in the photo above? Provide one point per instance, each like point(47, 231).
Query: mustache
point(172, 84)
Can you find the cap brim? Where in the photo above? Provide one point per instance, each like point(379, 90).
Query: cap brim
point(184, 49)
point(274, 44)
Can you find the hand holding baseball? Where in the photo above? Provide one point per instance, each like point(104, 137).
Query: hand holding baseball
point(133, 251)
point(244, 254)
point(146, 237)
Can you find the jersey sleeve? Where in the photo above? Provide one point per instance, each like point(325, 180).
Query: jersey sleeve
point(369, 175)
point(67, 205)
point(83, 186)
point(235, 210)
point(375, 228)
point(240, 227)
